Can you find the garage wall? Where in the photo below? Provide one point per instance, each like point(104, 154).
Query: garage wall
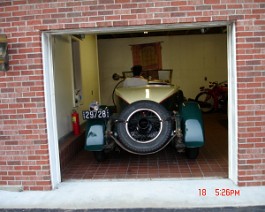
point(63, 74)
point(192, 58)
point(90, 72)
point(195, 57)
point(63, 82)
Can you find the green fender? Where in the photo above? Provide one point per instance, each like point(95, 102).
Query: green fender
point(95, 134)
point(192, 124)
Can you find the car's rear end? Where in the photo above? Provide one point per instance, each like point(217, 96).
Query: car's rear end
point(147, 119)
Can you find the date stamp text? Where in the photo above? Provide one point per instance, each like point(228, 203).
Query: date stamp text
point(220, 192)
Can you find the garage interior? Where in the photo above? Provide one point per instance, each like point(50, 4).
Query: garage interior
point(211, 162)
point(86, 63)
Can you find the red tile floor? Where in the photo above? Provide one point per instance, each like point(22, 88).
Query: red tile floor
point(211, 162)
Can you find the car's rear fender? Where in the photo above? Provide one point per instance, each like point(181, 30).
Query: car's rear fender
point(95, 134)
point(192, 125)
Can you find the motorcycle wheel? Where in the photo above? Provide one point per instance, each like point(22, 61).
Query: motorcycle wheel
point(144, 127)
point(206, 102)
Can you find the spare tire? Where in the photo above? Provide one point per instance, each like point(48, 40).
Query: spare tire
point(144, 127)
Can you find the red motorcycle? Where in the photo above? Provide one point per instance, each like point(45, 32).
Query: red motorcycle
point(213, 98)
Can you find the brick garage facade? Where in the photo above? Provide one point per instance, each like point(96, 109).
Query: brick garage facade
point(24, 154)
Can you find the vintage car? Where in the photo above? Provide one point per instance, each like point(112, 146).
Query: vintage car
point(144, 120)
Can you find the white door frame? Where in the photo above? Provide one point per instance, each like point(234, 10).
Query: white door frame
point(50, 106)
point(232, 109)
point(50, 92)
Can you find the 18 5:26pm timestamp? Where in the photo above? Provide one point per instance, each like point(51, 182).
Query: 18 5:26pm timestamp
point(224, 192)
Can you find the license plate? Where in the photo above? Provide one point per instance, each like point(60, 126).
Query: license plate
point(95, 114)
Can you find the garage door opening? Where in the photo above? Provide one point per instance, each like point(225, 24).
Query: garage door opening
point(189, 72)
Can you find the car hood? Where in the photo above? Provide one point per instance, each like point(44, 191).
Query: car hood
point(156, 93)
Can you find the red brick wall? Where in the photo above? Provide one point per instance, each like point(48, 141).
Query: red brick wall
point(24, 156)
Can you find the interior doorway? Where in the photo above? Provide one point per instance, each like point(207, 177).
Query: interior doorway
point(51, 109)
